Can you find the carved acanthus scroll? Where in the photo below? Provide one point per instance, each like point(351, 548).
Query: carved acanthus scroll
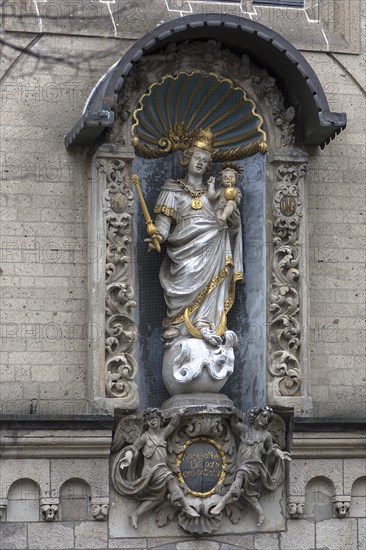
point(285, 330)
point(120, 328)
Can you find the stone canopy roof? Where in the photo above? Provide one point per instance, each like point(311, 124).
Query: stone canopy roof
point(318, 125)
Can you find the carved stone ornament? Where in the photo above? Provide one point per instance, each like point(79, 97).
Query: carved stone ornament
point(341, 505)
point(295, 507)
point(120, 328)
point(209, 57)
point(285, 338)
point(285, 330)
point(100, 508)
point(197, 466)
point(49, 508)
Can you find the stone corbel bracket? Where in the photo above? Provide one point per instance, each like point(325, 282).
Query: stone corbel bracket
point(295, 507)
point(100, 508)
point(112, 303)
point(49, 508)
point(341, 506)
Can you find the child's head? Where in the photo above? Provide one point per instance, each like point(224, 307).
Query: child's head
point(230, 175)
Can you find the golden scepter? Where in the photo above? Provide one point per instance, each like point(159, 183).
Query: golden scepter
point(150, 227)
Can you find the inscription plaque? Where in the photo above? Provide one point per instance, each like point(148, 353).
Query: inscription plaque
point(201, 466)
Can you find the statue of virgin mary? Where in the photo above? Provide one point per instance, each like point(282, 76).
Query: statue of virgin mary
point(203, 262)
point(203, 255)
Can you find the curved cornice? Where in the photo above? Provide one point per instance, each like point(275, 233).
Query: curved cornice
point(265, 47)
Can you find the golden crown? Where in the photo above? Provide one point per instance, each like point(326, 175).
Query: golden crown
point(204, 139)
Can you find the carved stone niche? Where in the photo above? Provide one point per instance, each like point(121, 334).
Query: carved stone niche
point(282, 377)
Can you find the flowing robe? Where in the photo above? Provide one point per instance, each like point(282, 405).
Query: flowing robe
point(203, 258)
point(151, 482)
point(256, 459)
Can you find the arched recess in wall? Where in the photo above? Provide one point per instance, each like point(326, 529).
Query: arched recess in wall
point(23, 501)
point(287, 96)
point(319, 494)
point(358, 498)
point(75, 496)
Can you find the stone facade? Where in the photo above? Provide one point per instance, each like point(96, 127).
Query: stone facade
point(51, 432)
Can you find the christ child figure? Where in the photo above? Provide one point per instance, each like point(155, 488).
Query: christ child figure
point(227, 197)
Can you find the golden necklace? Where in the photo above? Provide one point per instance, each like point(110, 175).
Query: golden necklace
point(196, 203)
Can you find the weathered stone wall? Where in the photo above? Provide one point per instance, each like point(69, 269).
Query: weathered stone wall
point(333, 534)
point(43, 217)
point(337, 233)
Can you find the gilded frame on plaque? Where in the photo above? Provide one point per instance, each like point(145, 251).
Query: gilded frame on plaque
point(223, 465)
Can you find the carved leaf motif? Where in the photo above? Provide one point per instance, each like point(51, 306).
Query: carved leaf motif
point(233, 513)
point(124, 329)
point(120, 371)
point(207, 523)
point(285, 367)
point(120, 328)
point(285, 331)
point(165, 514)
point(119, 296)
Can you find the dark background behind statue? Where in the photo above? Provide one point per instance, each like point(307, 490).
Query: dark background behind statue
point(247, 318)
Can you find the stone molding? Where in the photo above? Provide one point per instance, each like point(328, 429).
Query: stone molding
point(328, 445)
point(55, 444)
point(50, 475)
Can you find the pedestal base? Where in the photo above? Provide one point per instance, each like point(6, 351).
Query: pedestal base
point(207, 402)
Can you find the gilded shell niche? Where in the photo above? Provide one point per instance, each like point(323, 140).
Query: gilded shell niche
point(174, 108)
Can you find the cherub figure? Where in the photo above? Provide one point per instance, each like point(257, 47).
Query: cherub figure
point(255, 450)
point(227, 197)
point(150, 483)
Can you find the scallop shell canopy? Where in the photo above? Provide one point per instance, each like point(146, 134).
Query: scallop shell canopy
point(174, 108)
